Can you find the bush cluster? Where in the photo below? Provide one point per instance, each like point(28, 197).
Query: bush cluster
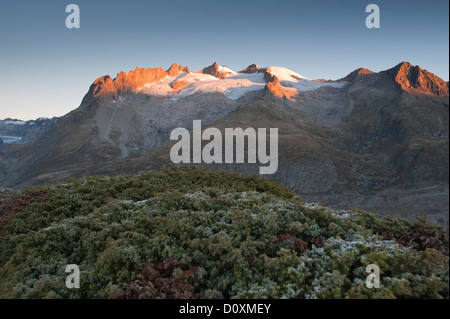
point(188, 233)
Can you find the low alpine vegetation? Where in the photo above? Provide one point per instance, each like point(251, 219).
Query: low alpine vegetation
point(194, 233)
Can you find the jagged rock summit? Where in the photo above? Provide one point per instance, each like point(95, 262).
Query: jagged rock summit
point(175, 69)
point(416, 80)
point(133, 80)
point(220, 72)
point(253, 68)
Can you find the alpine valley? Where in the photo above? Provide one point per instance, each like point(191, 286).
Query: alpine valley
point(375, 141)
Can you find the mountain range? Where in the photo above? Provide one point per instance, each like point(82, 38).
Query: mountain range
point(13, 131)
point(371, 140)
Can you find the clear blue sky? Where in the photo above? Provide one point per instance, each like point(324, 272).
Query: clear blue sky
point(46, 68)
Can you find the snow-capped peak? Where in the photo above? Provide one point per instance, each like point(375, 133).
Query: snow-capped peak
point(284, 74)
point(225, 69)
point(294, 81)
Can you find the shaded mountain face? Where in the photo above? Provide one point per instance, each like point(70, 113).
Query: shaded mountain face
point(377, 141)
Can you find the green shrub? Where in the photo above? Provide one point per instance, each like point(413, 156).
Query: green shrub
point(236, 236)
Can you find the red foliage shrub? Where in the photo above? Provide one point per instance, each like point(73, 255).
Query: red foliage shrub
point(317, 242)
point(15, 203)
point(421, 238)
point(300, 245)
point(156, 281)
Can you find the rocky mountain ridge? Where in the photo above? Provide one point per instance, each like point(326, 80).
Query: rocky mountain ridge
point(14, 131)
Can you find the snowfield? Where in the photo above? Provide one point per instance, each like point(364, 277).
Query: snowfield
point(233, 86)
point(298, 82)
point(10, 139)
point(15, 122)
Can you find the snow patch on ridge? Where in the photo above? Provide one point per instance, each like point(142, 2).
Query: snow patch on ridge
point(227, 70)
point(284, 74)
point(294, 81)
point(15, 122)
point(10, 139)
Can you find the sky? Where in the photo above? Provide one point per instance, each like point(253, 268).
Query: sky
point(46, 68)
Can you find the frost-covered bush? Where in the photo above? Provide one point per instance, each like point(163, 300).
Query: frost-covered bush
point(235, 237)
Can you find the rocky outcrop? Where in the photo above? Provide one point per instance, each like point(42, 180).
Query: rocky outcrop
point(416, 80)
point(102, 86)
point(214, 70)
point(131, 81)
point(178, 85)
point(175, 69)
point(251, 69)
point(137, 78)
point(275, 88)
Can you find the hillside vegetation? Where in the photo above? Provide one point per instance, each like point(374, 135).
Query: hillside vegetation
point(194, 233)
